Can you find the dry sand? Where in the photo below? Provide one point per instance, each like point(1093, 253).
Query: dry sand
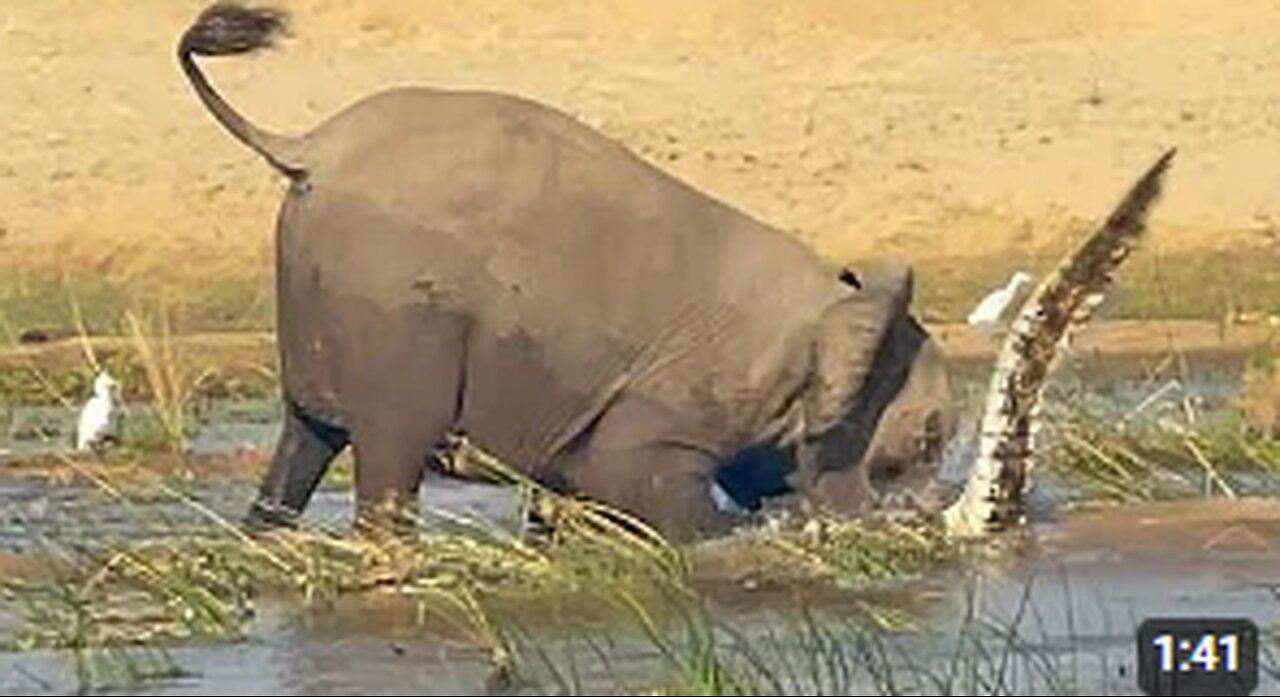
point(933, 130)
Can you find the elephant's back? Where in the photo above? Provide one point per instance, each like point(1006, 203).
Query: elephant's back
point(566, 249)
point(389, 118)
point(552, 202)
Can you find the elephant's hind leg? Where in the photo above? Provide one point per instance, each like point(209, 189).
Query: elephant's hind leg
point(390, 461)
point(303, 453)
point(406, 398)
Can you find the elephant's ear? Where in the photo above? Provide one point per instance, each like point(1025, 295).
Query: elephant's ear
point(846, 342)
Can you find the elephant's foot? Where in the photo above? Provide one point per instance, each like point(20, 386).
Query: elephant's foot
point(303, 454)
point(391, 517)
point(267, 516)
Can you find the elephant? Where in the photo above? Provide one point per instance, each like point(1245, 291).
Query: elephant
point(468, 262)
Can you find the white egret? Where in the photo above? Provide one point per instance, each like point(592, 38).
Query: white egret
point(98, 415)
point(988, 311)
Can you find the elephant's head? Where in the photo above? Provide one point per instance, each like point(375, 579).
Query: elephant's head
point(880, 410)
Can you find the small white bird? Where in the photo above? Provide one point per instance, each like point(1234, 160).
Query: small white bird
point(988, 311)
point(98, 418)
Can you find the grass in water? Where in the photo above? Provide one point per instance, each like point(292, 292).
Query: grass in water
point(181, 583)
point(170, 381)
point(114, 605)
point(164, 390)
point(1104, 461)
point(801, 653)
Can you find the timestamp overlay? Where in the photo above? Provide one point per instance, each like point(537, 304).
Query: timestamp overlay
point(1197, 656)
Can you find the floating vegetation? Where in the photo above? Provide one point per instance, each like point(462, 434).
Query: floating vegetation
point(177, 585)
point(847, 554)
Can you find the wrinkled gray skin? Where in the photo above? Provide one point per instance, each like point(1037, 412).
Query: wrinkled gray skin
point(478, 263)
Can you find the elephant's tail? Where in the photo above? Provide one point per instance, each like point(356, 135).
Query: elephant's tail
point(228, 28)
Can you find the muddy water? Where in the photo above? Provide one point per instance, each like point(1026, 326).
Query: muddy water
point(1074, 596)
point(1074, 593)
point(287, 655)
point(1092, 579)
point(35, 512)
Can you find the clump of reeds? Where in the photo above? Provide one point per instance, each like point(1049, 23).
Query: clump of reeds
point(845, 553)
point(172, 588)
point(160, 373)
point(171, 382)
point(1101, 459)
point(162, 423)
point(1259, 398)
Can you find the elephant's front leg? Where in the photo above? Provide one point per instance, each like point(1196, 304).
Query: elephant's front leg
point(667, 487)
point(842, 491)
point(633, 462)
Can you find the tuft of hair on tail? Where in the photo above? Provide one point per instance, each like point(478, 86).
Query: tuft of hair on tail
point(229, 28)
point(226, 29)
